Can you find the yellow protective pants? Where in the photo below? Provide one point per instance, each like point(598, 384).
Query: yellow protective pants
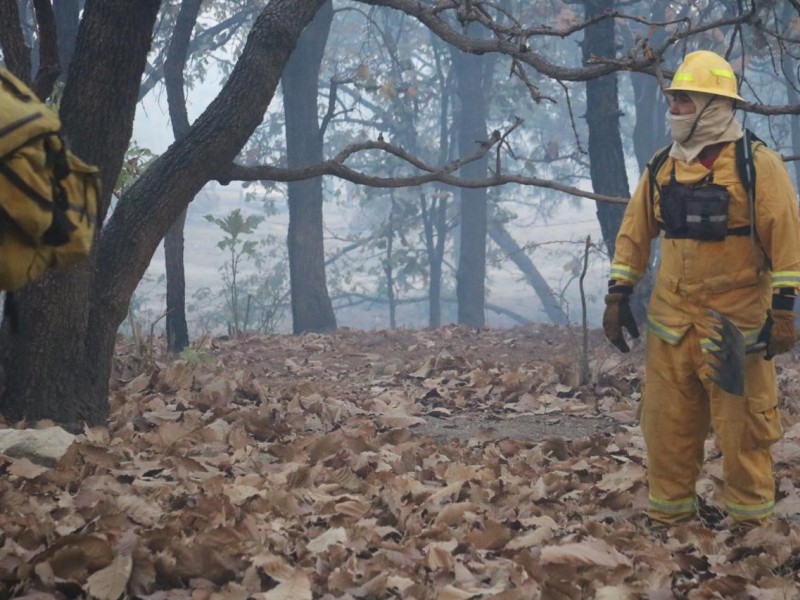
point(680, 405)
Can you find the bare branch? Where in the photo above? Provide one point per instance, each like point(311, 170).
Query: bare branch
point(511, 40)
point(511, 45)
point(337, 168)
point(154, 72)
point(331, 112)
point(768, 109)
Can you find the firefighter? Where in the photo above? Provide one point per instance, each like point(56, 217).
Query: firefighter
point(725, 249)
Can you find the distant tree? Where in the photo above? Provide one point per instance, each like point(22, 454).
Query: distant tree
point(177, 329)
point(606, 159)
point(311, 305)
point(473, 75)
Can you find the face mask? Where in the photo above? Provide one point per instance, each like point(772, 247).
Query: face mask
point(680, 126)
point(711, 123)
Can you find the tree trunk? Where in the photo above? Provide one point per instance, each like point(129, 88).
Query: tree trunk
point(388, 266)
point(67, 13)
point(473, 79)
point(58, 365)
point(434, 221)
point(312, 309)
point(177, 329)
point(607, 162)
point(53, 366)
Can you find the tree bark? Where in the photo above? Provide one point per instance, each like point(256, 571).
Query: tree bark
point(607, 161)
point(177, 329)
point(175, 321)
point(473, 79)
point(312, 309)
point(58, 365)
point(16, 54)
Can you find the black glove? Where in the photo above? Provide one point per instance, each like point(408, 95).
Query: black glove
point(618, 315)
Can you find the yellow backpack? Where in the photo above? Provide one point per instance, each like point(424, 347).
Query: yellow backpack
point(48, 197)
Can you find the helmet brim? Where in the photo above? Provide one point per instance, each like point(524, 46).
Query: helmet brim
point(691, 88)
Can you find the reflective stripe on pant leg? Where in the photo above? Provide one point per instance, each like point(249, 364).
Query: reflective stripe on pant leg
point(671, 510)
point(675, 423)
point(746, 426)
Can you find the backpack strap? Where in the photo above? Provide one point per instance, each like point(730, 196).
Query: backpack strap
point(745, 165)
point(654, 166)
point(746, 168)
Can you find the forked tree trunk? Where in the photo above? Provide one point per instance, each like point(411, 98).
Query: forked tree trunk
point(312, 309)
point(58, 365)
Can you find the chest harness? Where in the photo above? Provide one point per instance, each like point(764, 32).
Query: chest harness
point(699, 211)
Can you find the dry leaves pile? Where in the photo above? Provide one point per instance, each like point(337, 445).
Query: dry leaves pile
point(296, 468)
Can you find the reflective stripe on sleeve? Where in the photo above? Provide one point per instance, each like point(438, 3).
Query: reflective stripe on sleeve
point(619, 271)
point(785, 279)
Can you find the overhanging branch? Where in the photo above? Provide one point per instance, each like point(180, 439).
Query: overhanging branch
point(337, 168)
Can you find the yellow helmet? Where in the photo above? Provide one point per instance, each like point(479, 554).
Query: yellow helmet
point(705, 72)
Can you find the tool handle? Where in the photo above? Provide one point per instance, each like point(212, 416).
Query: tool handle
point(756, 348)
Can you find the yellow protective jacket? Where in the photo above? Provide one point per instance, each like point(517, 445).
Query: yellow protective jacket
point(734, 276)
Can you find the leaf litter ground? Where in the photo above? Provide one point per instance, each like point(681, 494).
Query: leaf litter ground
point(441, 464)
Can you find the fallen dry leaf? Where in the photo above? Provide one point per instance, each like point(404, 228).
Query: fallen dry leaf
point(297, 587)
point(591, 552)
point(110, 583)
point(446, 463)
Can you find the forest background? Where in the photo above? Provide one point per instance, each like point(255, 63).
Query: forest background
point(549, 231)
point(392, 90)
